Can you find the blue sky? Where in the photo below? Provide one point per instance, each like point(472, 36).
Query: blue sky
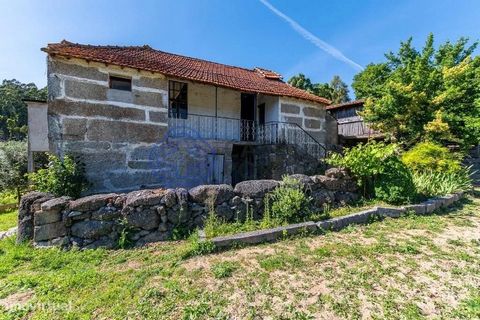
point(238, 32)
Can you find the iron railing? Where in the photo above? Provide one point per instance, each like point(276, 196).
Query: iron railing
point(230, 129)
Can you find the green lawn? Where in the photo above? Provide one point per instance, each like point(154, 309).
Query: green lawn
point(8, 219)
point(409, 268)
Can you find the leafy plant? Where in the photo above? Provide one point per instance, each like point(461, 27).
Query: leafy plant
point(13, 164)
point(288, 202)
point(436, 183)
point(430, 156)
point(62, 177)
point(124, 240)
point(378, 170)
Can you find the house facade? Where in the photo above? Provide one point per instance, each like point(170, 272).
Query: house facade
point(138, 117)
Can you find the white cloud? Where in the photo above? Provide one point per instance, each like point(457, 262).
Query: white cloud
point(334, 52)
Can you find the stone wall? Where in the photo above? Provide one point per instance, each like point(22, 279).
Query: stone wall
point(274, 161)
point(153, 215)
point(308, 115)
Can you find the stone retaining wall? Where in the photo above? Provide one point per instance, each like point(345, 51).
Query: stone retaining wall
point(153, 215)
point(335, 224)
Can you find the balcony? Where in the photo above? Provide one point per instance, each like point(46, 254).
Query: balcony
point(244, 131)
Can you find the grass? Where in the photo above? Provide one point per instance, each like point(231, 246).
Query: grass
point(413, 267)
point(8, 220)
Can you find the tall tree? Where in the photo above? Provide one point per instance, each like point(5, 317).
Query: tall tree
point(339, 90)
point(429, 93)
point(13, 110)
point(301, 82)
point(336, 90)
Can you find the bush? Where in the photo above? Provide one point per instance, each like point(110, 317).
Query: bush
point(431, 183)
point(62, 177)
point(13, 164)
point(432, 157)
point(288, 202)
point(378, 170)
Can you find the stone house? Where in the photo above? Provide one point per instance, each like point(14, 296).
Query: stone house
point(139, 117)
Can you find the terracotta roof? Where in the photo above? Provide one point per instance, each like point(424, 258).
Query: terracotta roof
point(348, 104)
point(145, 58)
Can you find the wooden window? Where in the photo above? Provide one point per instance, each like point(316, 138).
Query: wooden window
point(119, 83)
point(177, 99)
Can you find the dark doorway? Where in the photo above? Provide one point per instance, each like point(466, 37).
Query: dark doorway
point(261, 114)
point(243, 163)
point(247, 116)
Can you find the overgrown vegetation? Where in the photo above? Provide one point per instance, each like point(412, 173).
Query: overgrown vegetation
point(378, 170)
point(430, 93)
point(13, 110)
point(434, 183)
point(13, 164)
point(61, 177)
point(430, 156)
point(288, 202)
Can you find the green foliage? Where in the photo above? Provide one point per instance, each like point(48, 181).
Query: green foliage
point(395, 184)
point(437, 183)
point(430, 156)
point(13, 110)
point(428, 93)
point(13, 164)
point(288, 202)
point(336, 90)
point(124, 240)
point(378, 170)
point(8, 198)
point(62, 177)
point(224, 269)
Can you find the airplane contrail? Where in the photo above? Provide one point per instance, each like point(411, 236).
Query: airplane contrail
point(334, 52)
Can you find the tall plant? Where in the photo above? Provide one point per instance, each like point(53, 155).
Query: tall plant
point(62, 177)
point(378, 170)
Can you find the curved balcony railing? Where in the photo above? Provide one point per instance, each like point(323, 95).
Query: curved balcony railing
point(230, 129)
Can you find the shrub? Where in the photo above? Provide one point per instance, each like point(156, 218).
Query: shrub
point(62, 177)
point(432, 157)
point(288, 202)
point(378, 170)
point(395, 183)
point(431, 183)
point(13, 164)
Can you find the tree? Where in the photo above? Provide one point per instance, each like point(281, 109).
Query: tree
point(433, 94)
point(301, 82)
point(336, 90)
point(339, 90)
point(13, 161)
point(13, 110)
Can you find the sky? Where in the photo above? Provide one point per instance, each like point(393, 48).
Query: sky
point(318, 38)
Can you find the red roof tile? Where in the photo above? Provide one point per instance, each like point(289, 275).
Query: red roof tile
point(348, 104)
point(145, 58)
